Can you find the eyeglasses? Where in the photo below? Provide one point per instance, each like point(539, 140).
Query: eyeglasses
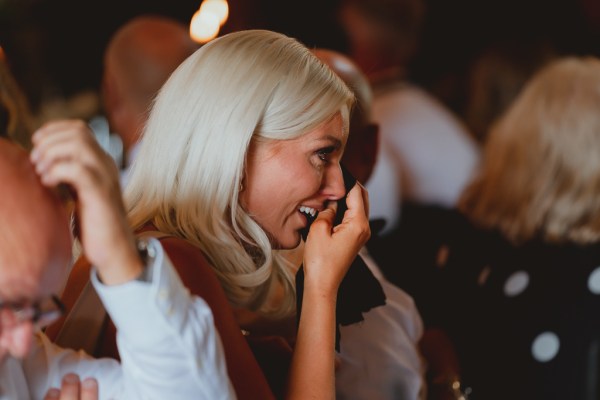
point(41, 313)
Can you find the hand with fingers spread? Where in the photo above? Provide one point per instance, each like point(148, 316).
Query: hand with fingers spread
point(74, 389)
point(66, 152)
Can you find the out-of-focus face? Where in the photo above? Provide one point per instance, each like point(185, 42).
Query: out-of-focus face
point(26, 285)
point(287, 178)
point(35, 249)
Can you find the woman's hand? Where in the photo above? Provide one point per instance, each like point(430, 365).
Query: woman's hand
point(330, 250)
point(66, 152)
point(328, 253)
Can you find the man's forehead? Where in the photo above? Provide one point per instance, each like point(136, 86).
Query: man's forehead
point(34, 227)
point(18, 284)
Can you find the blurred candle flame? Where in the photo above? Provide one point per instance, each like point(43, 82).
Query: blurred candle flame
point(218, 7)
point(206, 22)
point(204, 26)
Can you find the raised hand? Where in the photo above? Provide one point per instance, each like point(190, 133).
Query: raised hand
point(66, 152)
point(329, 249)
point(328, 253)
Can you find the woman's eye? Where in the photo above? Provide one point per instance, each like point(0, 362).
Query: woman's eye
point(324, 153)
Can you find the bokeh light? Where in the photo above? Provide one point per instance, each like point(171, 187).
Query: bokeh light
point(204, 26)
point(218, 7)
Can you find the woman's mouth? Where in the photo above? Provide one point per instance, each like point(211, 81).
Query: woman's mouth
point(310, 214)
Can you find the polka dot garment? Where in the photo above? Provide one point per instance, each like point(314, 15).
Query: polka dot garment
point(525, 320)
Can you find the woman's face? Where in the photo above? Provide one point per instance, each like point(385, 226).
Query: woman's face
point(285, 176)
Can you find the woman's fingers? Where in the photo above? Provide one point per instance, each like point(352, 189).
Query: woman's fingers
point(330, 250)
point(357, 201)
point(324, 221)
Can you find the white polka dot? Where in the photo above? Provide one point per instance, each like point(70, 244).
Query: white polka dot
point(545, 347)
point(594, 281)
point(516, 283)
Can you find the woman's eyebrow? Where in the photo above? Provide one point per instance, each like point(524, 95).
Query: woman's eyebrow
point(331, 139)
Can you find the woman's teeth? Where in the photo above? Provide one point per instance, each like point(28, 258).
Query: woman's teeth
point(308, 210)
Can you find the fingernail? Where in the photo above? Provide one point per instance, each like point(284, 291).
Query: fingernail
point(71, 378)
point(35, 154)
point(53, 394)
point(89, 383)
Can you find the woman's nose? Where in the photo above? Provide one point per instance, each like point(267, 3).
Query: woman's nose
point(334, 183)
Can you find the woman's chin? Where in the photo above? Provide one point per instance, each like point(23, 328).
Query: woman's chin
point(287, 243)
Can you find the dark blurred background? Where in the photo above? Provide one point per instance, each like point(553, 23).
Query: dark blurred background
point(54, 47)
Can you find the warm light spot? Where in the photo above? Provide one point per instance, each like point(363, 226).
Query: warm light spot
point(442, 256)
point(204, 26)
point(2, 55)
point(220, 8)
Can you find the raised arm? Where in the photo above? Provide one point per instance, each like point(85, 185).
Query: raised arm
point(167, 338)
point(328, 253)
point(66, 152)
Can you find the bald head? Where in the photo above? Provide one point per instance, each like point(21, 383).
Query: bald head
point(382, 34)
point(35, 240)
point(139, 58)
point(361, 150)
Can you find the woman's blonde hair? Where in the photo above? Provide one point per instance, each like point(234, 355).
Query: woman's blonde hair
point(541, 171)
point(244, 86)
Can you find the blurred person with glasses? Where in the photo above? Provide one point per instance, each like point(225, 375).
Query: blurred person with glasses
point(40, 313)
point(169, 345)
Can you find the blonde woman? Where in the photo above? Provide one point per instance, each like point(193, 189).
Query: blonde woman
point(527, 279)
point(243, 142)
